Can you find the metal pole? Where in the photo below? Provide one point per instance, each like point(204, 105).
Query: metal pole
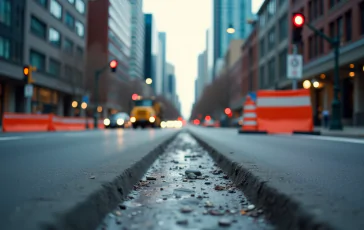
point(335, 121)
point(96, 93)
point(28, 105)
point(294, 81)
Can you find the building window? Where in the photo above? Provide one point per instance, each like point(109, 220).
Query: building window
point(271, 39)
point(80, 29)
point(71, 1)
point(321, 43)
point(331, 3)
point(56, 9)
point(340, 28)
point(43, 3)
point(70, 21)
point(262, 47)
point(283, 64)
point(4, 48)
point(321, 7)
point(283, 27)
point(310, 47)
point(262, 19)
point(310, 11)
point(80, 6)
point(54, 67)
point(79, 51)
point(271, 8)
point(68, 46)
point(38, 60)
point(271, 71)
point(348, 26)
point(5, 12)
point(362, 17)
point(38, 27)
point(54, 37)
point(262, 77)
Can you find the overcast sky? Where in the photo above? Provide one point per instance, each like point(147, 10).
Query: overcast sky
point(185, 22)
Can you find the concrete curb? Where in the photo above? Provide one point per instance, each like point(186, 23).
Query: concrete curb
point(89, 213)
point(283, 211)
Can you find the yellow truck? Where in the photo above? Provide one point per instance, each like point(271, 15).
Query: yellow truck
point(146, 112)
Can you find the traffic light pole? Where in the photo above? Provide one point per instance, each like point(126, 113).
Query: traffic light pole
point(96, 93)
point(335, 121)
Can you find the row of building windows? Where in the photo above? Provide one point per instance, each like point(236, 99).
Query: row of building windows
point(272, 36)
point(38, 60)
point(267, 72)
point(5, 12)
point(56, 10)
point(11, 50)
point(39, 28)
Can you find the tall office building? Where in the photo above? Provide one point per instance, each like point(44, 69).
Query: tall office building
point(49, 35)
point(151, 44)
point(163, 50)
point(109, 37)
point(227, 13)
point(161, 64)
point(170, 82)
point(201, 73)
point(136, 69)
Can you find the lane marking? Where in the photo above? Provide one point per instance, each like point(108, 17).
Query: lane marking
point(10, 138)
point(338, 139)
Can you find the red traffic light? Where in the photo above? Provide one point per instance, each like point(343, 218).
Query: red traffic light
point(134, 96)
point(227, 111)
point(113, 64)
point(298, 19)
point(26, 71)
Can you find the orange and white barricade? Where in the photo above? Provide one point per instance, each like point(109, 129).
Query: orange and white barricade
point(284, 111)
point(250, 124)
point(22, 122)
point(67, 124)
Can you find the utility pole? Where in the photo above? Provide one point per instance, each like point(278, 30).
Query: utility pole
point(28, 89)
point(113, 65)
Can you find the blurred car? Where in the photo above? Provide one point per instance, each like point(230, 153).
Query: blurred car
point(117, 120)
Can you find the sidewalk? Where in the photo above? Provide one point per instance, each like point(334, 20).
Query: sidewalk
point(346, 132)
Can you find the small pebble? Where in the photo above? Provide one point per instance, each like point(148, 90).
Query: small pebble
point(224, 222)
point(182, 222)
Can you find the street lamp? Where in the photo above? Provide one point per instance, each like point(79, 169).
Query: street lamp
point(74, 104)
point(230, 29)
point(83, 105)
point(148, 81)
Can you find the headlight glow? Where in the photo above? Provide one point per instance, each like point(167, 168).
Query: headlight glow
point(106, 122)
point(120, 121)
point(151, 119)
point(132, 119)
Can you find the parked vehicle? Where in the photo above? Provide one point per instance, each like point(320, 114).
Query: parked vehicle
point(118, 120)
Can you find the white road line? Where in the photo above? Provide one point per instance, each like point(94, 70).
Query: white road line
point(340, 139)
point(10, 138)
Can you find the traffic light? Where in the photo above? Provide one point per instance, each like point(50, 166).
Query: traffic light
point(134, 96)
point(298, 21)
point(27, 71)
point(113, 65)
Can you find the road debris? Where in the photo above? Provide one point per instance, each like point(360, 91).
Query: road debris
point(193, 194)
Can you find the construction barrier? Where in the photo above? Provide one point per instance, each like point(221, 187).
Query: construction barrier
point(284, 111)
point(15, 122)
point(67, 124)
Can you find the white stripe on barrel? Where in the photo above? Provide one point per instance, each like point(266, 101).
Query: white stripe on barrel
point(283, 101)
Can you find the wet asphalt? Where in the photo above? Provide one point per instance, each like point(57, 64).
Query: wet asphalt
point(184, 189)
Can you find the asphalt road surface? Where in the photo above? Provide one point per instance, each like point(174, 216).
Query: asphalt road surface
point(37, 170)
point(324, 173)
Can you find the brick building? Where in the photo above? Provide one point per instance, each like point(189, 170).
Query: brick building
point(334, 17)
point(330, 17)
